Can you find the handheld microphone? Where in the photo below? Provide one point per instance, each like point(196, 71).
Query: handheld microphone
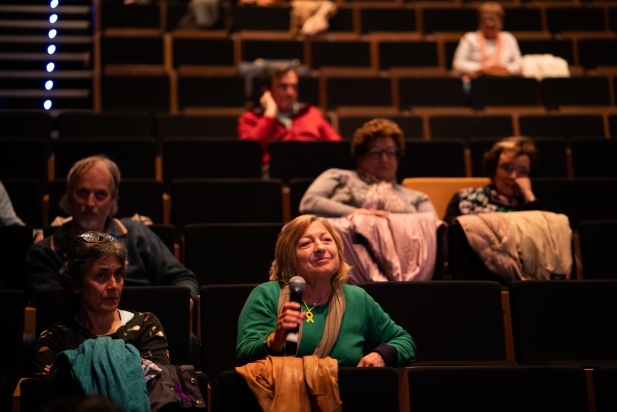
point(296, 288)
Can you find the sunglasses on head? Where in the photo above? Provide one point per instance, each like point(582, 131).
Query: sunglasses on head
point(92, 237)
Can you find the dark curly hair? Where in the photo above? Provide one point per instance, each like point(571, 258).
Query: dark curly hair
point(372, 130)
point(519, 145)
point(80, 256)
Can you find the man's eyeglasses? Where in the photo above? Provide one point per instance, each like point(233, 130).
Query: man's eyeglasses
point(376, 152)
point(92, 237)
point(508, 168)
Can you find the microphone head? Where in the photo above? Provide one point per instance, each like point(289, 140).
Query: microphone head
point(297, 283)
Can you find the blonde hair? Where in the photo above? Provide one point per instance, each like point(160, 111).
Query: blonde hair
point(519, 145)
point(285, 263)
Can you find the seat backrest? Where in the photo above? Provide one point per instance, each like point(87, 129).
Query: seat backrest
point(593, 201)
point(593, 157)
point(27, 198)
point(497, 388)
point(504, 91)
point(576, 91)
point(15, 240)
point(470, 126)
point(226, 201)
point(441, 189)
point(185, 125)
point(604, 383)
point(395, 52)
point(167, 233)
point(564, 321)
point(365, 91)
point(360, 389)
point(232, 253)
point(575, 18)
point(284, 157)
point(17, 123)
point(24, 158)
point(106, 124)
point(410, 125)
point(186, 158)
point(211, 91)
point(134, 156)
point(169, 303)
point(598, 52)
point(340, 53)
point(432, 158)
point(598, 243)
point(220, 307)
point(127, 92)
point(561, 125)
point(297, 188)
point(12, 305)
point(420, 92)
point(468, 313)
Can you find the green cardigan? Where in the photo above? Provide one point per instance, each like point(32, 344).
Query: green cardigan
point(364, 327)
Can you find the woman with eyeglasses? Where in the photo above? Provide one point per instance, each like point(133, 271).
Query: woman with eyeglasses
point(508, 164)
point(376, 148)
point(92, 279)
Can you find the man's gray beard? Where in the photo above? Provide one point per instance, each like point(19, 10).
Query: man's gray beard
point(89, 225)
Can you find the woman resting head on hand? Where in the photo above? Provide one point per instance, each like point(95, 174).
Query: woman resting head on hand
point(334, 319)
point(508, 164)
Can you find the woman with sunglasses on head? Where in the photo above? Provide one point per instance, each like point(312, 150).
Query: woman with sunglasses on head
point(376, 148)
point(508, 164)
point(92, 279)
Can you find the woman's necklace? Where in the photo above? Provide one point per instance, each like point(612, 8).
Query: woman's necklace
point(309, 313)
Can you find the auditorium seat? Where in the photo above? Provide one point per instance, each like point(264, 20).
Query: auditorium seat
point(604, 383)
point(598, 243)
point(210, 91)
point(557, 47)
point(360, 389)
point(441, 189)
point(135, 155)
point(284, 158)
point(24, 158)
point(136, 196)
point(552, 160)
point(410, 125)
point(578, 198)
point(522, 19)
point(272, 49)
point(504, 91)
point(206, 125)
point(612, 18)
point(26, 197)
point(16, 123)
point(432, 158)
point(561, 125)
point(564, 322)
point(134, 16)
point(261, 18)
point(185, 158)
point(105, 124)
point(457, 20)
point(575, 18)
point(468, 313)
point(341, 22)
point(576, 91)
point(226, 201)
point(594, 157)
point(498, 388)
point(297, 188)
point(169, 303)
point(466, 127)
point(401, 52)
point(204, 50)
point(597, 52)
point(387, 19)
point(219, 331)
point(12, 304)
point(332, 52)
point(358, 91)
point(132, 50)
point(129, 92)
point(16, 241)
point(230, 253)
point(612, 120)
point(430, 92)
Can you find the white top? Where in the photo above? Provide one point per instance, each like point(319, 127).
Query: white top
point(467, 57)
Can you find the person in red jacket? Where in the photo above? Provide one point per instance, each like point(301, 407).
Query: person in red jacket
point(281, 116)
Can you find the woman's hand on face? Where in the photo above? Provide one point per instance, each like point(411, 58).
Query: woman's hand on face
point(290, 317)
point(375, 212)
point(372, 359)
point(524, 188)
